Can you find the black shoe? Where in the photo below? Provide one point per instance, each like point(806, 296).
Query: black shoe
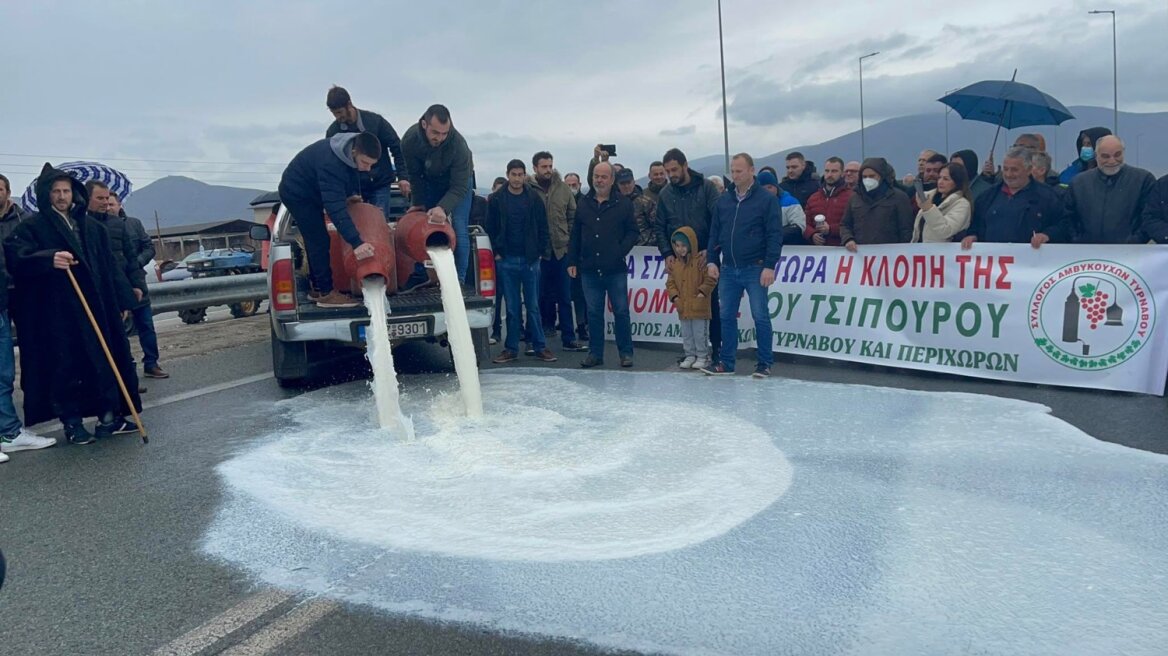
point(626, 361)
point(575, 346)
point(529, 350)
point(582, 332)
point(590, 362)
point(118, 426)
point(77, 434)
point(761, 371)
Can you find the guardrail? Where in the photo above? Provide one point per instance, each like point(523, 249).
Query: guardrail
point(207, 292)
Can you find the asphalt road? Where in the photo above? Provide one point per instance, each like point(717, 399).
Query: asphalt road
point(102, 541)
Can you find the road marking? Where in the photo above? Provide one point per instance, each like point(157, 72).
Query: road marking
point(203, 391)
point(224, 624)
point(176, 398)
point(290, 625)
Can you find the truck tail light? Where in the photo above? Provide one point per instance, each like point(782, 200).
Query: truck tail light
point(283, 286)
point(486, 272)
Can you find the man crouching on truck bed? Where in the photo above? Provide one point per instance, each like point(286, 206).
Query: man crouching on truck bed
point(324, 177)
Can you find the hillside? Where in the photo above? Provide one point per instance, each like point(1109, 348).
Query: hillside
point(182, 201)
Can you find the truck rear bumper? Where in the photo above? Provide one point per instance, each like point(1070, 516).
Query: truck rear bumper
point(345, 329)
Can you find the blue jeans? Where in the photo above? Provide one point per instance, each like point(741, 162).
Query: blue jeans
point(461, 223)
point(380, 198)
point(731, 283)
point(558, 294)
point(521, 276)
point(144, 324)
point(616, 286)
point(9, 422)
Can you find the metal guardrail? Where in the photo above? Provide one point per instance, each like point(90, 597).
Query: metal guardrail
point(207, 292)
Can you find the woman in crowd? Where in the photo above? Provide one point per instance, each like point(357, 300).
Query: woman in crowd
point(945, 212)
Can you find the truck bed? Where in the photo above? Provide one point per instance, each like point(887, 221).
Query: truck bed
point(421, 301)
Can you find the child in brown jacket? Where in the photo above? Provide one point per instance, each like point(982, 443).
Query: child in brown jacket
point(689, 286)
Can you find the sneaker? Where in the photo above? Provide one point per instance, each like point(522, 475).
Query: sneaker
point(313, 295)
point(116, 427)
point(761, 371)
point(688, 362)
point(25, 441)
point(141, 389)
point(493, 340)
point(529, 350)
point(77, 434)
point(335, 299)
point(155, 372)
point(546, 355)
point(626, 361)
point(700, 363)
point(717, 369)
point(576, 347)
point(3, 458)
point(590, 362)
point(505, 357)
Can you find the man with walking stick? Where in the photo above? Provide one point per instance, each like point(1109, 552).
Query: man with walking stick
point(71, 299)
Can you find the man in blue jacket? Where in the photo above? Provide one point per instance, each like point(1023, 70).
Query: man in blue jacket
point(746, 234)
point(326, 177)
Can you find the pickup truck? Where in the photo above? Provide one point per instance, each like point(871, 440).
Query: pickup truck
point(307, 341)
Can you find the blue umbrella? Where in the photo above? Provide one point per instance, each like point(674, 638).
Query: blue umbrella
point(1007, 104)
point(117, 181)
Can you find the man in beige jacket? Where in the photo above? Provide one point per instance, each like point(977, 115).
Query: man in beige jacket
point(556, 285)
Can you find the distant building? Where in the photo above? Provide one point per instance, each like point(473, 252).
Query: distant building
point(180, 241)
point(263, 204)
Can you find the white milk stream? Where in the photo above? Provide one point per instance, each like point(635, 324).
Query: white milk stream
point(458, 330)
point(380, 354)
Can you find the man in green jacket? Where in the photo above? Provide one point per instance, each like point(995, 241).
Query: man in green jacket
point(556, 286)
point(440, 171)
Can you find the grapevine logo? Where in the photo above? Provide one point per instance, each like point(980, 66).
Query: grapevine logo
point(1092, 314)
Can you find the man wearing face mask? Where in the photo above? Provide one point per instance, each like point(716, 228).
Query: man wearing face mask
point(878, 213)
point(1085, 149)
point(1105, 204)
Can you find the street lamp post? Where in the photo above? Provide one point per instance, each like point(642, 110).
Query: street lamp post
point(862, 141)
point(725, 117)
point(1114, 68)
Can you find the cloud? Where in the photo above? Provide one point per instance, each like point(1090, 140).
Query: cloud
point(682, 131)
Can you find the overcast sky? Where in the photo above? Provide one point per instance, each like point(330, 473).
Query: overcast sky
point(228, 92)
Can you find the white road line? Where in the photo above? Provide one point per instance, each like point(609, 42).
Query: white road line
point(224, 624)
point(292, 624)
point(176, 398)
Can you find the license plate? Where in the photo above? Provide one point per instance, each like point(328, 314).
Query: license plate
point(401, 329)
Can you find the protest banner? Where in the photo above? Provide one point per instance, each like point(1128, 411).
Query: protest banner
point(1074, 315)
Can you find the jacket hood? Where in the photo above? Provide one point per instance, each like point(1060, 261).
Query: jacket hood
point(808, 171)
point(887, 177)
point(689, 234)
point(342, 145)
point(1095, 134)
point(969, 158)
point(44, 185)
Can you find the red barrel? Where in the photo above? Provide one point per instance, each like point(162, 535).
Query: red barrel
point(412, 234)
point(350, 273)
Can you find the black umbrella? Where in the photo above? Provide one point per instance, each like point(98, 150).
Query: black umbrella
point(1008, 104)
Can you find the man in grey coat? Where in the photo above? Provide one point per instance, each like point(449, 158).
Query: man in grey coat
point(1105, 204)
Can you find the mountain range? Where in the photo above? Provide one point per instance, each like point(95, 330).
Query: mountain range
point(183, 201)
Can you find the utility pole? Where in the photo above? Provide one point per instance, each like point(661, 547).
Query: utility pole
point(725, 117)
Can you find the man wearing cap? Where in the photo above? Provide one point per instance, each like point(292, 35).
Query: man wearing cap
point(644, 210)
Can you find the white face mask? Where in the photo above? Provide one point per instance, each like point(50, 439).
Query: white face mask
point(871, 183)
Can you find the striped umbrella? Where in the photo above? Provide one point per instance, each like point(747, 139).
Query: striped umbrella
point(117, 181)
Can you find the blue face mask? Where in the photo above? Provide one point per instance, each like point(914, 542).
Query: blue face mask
point(1086, 153)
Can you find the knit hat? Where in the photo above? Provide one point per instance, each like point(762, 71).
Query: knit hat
point(767, 178)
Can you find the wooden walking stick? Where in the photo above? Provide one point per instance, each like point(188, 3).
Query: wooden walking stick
point(108, 356)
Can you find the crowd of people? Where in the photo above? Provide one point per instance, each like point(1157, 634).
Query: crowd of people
point(721, 242)
point(560, 249)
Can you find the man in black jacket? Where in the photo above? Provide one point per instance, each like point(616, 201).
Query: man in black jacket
point(64, 372)
point(517, 224)
point(800, 180)
point(689, 200)
point(141, 246)
point(350, 119)
point(1155, 220)
point(1020, 210)
point(602, 236)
